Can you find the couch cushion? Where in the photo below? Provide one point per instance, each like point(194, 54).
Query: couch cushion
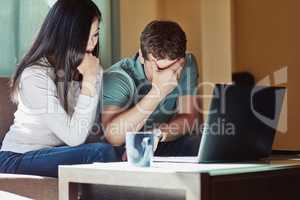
point(11, 196)
point(33, 187)
point(7, 108)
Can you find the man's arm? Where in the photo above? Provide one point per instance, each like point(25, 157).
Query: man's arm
point(185, 121)
point(188, 104)
point(118, 121)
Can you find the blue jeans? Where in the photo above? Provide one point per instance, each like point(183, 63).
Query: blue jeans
point(45, 162)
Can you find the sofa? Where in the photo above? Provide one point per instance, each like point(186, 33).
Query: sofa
point(33, 187)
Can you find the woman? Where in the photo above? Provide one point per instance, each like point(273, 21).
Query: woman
point(55, 113)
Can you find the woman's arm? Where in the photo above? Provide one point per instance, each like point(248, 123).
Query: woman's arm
point(38, 94)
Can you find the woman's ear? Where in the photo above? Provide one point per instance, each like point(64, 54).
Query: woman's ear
point(141, 58)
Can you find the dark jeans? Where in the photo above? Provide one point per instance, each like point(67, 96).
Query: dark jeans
point(185, 146)
point(45, 162)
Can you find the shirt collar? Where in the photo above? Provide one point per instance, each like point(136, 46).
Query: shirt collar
point(139, 68)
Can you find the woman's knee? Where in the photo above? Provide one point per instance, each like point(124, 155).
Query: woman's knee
point(99, 152)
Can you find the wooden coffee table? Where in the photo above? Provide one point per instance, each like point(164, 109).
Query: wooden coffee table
point(198, 181)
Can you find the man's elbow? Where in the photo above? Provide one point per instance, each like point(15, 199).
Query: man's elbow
point(190, 118)
point(114, 138)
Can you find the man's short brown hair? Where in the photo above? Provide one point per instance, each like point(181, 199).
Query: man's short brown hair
point(164, 40)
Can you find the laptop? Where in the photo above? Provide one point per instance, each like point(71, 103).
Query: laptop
point(240, 127)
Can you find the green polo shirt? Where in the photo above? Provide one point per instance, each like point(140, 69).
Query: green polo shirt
point(125, 84)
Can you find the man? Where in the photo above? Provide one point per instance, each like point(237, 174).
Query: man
point(155, 90)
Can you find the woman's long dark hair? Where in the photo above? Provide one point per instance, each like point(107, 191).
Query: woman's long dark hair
point(63, 40)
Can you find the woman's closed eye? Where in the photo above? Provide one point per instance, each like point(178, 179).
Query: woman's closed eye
point(96, 34)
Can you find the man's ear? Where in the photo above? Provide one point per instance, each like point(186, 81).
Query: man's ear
point(141, 58)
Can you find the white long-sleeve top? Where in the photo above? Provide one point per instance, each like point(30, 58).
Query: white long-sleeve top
point(41, 121)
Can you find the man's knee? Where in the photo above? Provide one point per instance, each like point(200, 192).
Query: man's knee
point(190, 145)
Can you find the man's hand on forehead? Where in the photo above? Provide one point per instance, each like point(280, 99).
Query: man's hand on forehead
point(174, 65)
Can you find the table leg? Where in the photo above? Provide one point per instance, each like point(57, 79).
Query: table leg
point(193, 192)
point(67, 190)
point(191, 196)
